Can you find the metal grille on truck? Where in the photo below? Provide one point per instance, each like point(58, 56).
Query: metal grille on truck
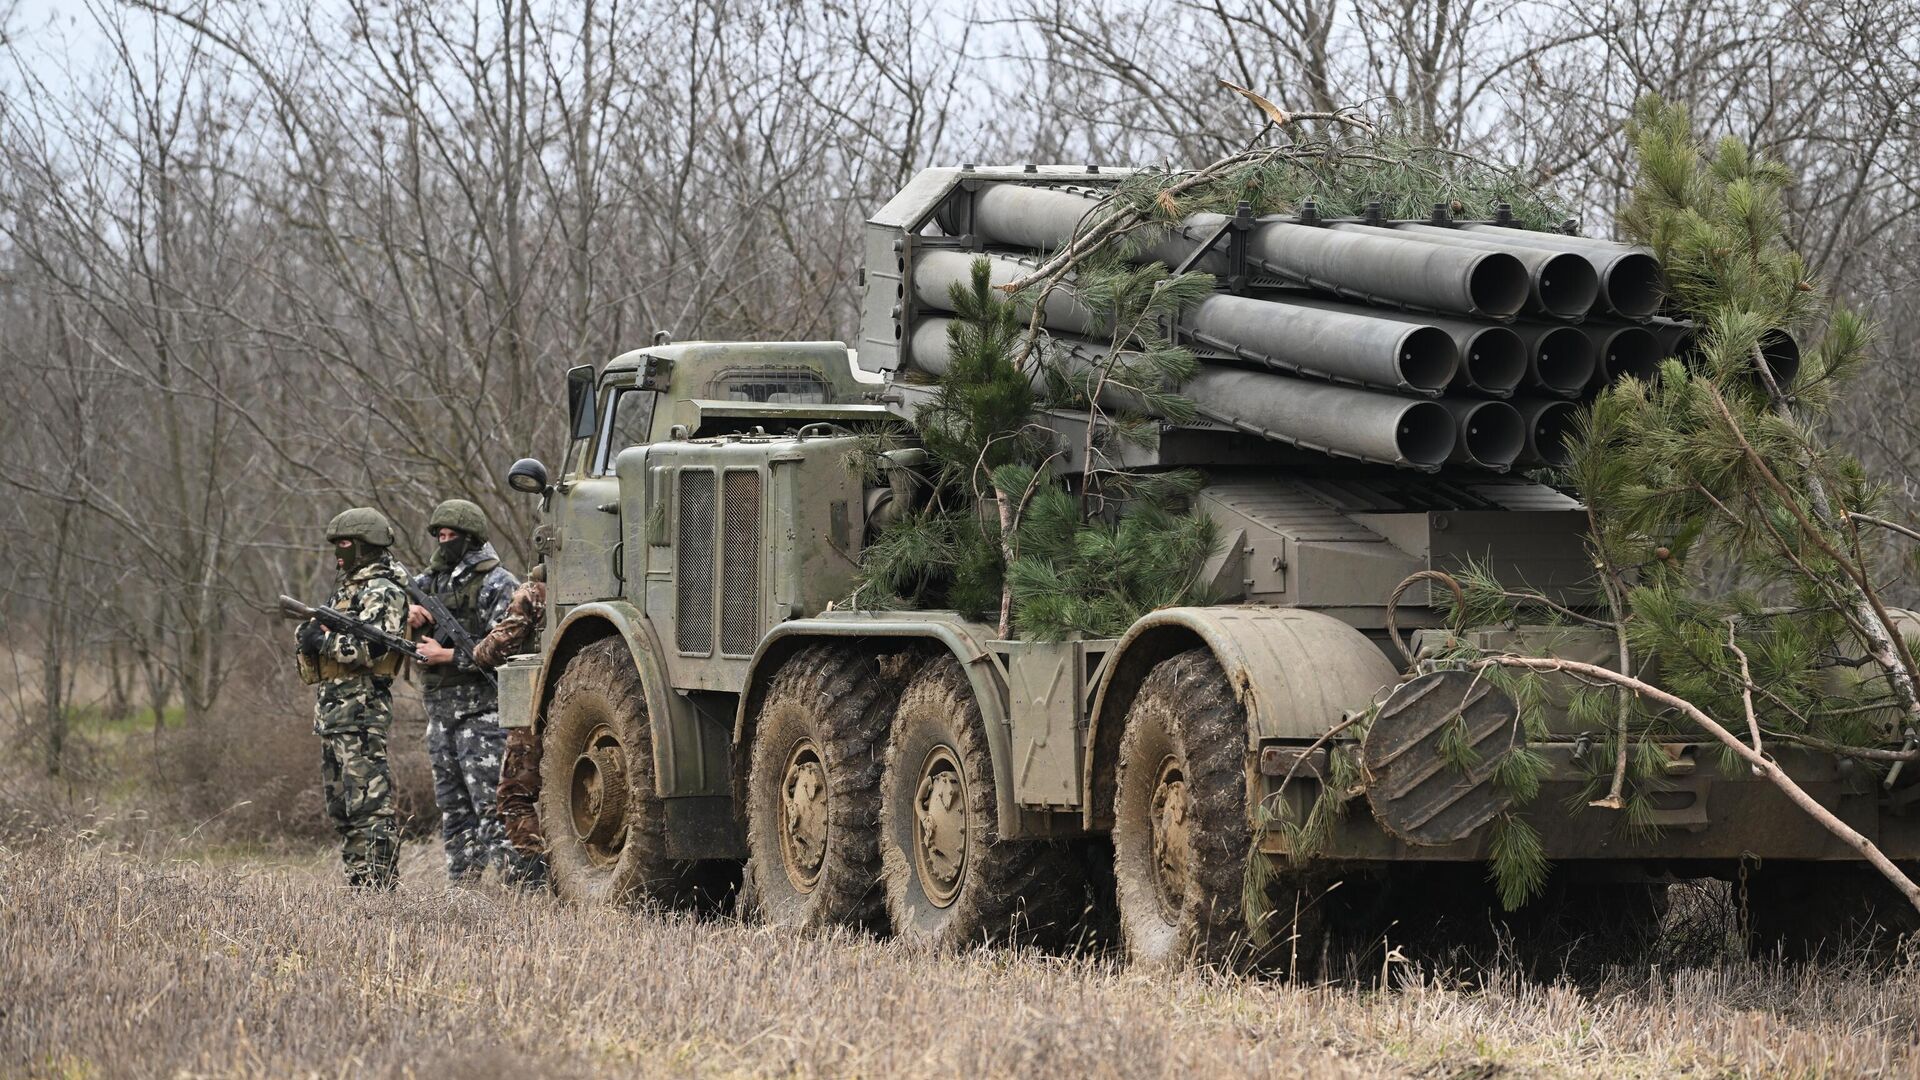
point(740, 562)
point(693, 610)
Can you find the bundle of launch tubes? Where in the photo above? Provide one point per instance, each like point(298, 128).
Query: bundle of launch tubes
point(1467, 344)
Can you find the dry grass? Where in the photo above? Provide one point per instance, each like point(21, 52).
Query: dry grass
point(120, 964)
point(247, 776)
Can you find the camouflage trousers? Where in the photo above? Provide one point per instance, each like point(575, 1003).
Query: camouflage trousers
point(520, 793)
point(359, 795)
point(466, 749)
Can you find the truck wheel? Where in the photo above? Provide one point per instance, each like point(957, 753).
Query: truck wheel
point(951, 881)
point(813, 791)
point(1181, 831)
point(605, 827)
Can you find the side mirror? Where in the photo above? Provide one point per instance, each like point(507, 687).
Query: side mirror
point(528, 475)
point(580, 400)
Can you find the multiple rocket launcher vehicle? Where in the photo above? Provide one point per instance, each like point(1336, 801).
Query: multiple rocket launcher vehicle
point(704, 531)
point(1412, 344)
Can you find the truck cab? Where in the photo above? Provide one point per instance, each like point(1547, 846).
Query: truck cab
point(683, 526)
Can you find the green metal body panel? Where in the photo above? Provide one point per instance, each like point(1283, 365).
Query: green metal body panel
point(611, 541)
point(1339, 545)
point(519, 682)
point(699, 380)
point(1704, 813)
point(580, 565)
point(1050, 692)
point(1298, 673)
point(726, 538)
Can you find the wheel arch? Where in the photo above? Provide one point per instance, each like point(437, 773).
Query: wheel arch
point(1263, 652)
point(931, 632)
point(668, 714)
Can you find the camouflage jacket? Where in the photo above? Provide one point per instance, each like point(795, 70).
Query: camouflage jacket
point(518, 630)
point(354, 688)
point(476, 592)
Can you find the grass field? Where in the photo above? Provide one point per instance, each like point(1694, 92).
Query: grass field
point(155, 926)
point(156, 964)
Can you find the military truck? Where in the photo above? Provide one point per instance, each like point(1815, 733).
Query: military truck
point(709, 691)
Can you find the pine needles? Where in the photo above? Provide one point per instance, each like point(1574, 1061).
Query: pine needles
point(1001, 531)
point(1089, 577)
point(1718, 464)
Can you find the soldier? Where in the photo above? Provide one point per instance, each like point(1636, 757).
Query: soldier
point(518, 631)
point(464, 738)
point(354, 705)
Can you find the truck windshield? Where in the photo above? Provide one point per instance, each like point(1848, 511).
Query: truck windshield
point(629, 423)
point(772, 386)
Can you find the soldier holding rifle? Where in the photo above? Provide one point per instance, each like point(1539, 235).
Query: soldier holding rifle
point(351, 652)
point(463, 592)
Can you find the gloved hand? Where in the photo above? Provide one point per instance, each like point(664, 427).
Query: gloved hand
point(311, 636)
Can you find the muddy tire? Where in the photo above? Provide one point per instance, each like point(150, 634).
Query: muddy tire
point(605, 827)
point(813, 792)
point(1182, 833)
point(1807, 911)
point(951, 882)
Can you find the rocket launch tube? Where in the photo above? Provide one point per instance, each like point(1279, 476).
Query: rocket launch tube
point(1676, 339)
point(1622, 351)
point(1631, 282)
point(1349, 346)
point(1379, 269)
point(1338, 420)
point(1388, 268)
point(1493, 359)
point(1560, 358)
point(937, 270)
point(1680, 340)
point(1563, 284)
point(1333, 345)
point(1491, 433)
point(1782, 355)
point(1549, 423)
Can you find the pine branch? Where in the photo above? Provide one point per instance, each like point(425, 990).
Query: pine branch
point(1762, 765)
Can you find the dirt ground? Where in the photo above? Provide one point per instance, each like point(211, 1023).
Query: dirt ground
point(185, 963)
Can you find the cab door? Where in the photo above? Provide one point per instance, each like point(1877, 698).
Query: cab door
point(589, 559)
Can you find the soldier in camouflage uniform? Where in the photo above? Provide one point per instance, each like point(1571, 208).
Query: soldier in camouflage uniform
point(354, 706)
point(518, 631)
point(464, 738)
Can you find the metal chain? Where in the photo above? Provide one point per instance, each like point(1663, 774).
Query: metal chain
point(1746, 921)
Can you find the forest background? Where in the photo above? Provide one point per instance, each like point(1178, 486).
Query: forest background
point(262, 262)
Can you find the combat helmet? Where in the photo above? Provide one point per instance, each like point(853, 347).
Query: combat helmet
point(460, 514)
point(362, 523)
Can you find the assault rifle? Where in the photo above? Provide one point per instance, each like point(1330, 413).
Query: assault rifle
point(447, 629)
point(342, 623)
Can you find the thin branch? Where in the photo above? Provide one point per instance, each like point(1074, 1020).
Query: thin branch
point(1894, 526)
point(1746, 685)
point(1762, 765)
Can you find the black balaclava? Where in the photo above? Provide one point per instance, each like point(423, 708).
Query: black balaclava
point(357, 555)
point(452, 551)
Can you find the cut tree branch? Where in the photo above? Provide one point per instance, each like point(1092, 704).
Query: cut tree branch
point(1762, 765)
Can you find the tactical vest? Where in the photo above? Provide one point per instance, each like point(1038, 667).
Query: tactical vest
point(325, 668)
point(463, 603)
